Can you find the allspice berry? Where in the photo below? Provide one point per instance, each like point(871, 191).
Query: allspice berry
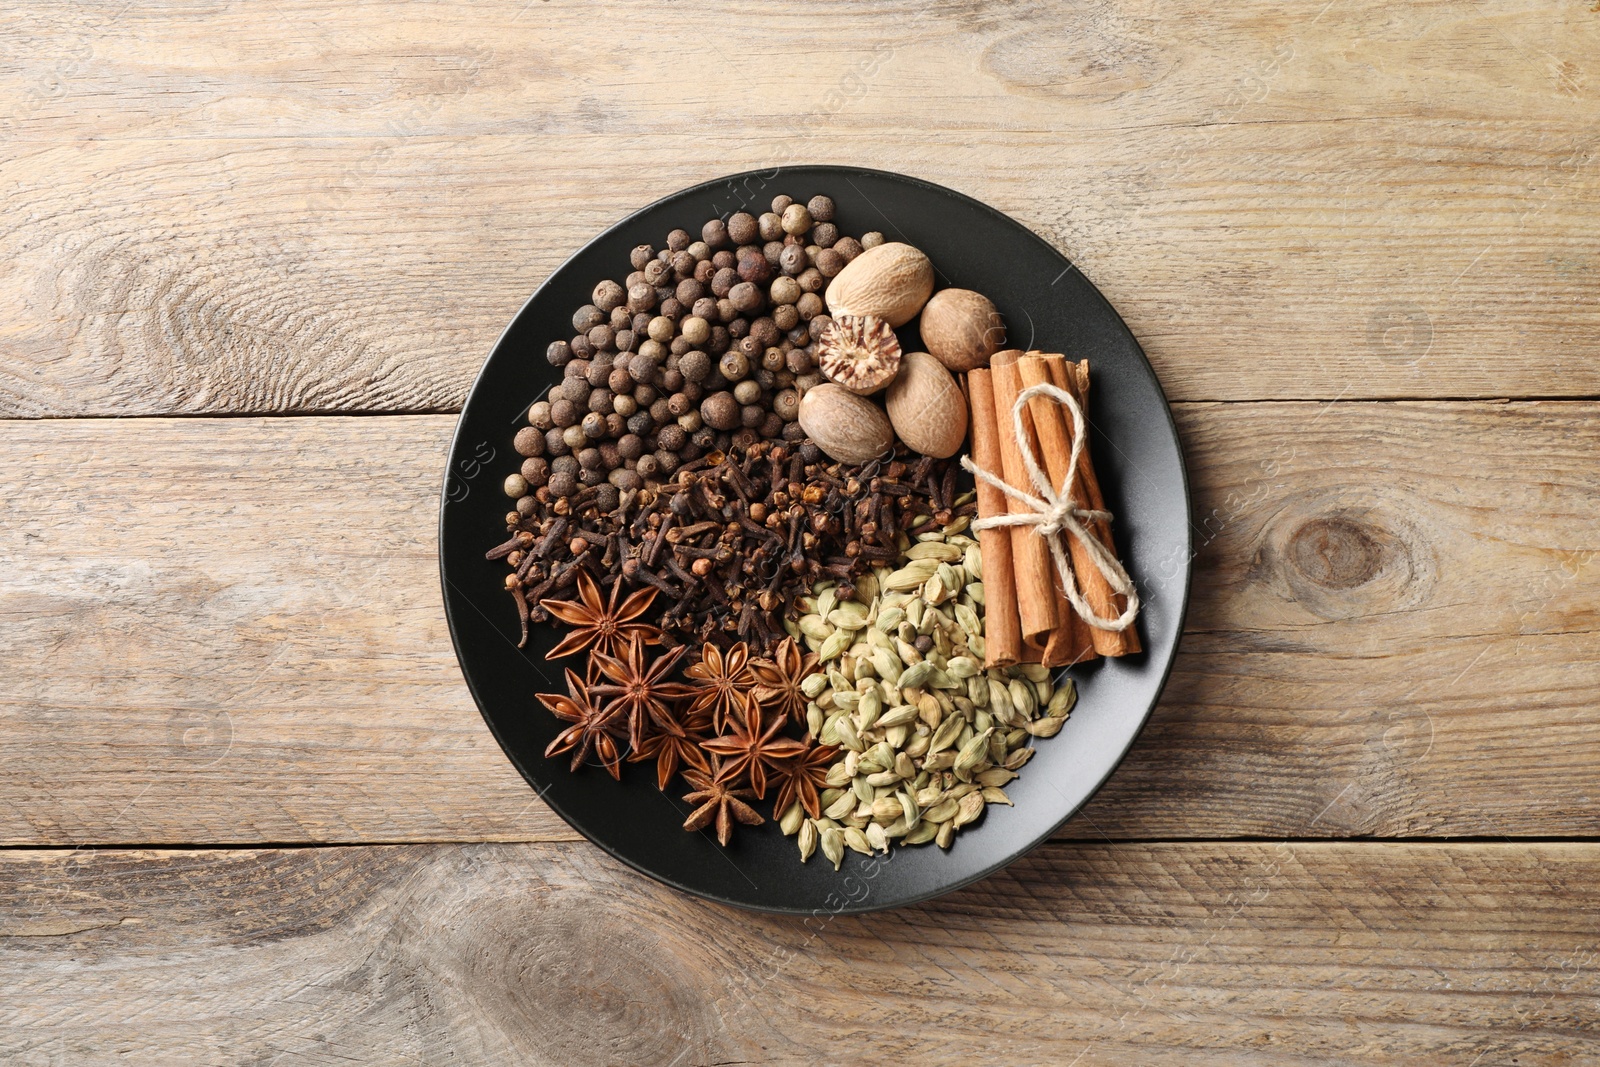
point(529, 442)
point(821, 208)
point(558, 354)
point(796, 219)
point(515, 485)
point(746, 297)
point(714, 233)
point(753, 267)
point(641, 255)
point(719, 410)
point(608, 295)
point(742, 228)
point(771, 227)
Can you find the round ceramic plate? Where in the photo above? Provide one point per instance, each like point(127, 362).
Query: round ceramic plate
point(1047, 305)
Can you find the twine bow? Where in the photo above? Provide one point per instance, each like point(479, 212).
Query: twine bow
point(1053, 512)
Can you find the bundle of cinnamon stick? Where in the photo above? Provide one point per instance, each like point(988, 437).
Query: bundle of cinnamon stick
point(1028, 615)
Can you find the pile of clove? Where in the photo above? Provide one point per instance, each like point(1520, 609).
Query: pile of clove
point(734, 540)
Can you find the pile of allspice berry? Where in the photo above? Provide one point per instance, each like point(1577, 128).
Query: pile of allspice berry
point(740, 511)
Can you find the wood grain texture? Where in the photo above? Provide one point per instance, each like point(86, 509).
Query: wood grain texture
point(318, 207)
point(1228, 954)
point(229, 631)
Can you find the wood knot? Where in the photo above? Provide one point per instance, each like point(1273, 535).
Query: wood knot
point(1336, 552)
point(1343, 562)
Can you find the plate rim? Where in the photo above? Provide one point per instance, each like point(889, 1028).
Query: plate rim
point(446, 586)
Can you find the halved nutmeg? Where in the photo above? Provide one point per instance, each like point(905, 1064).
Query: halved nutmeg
point(860, 352)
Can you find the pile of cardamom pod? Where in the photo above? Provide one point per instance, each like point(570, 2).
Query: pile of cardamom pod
point(928, 737)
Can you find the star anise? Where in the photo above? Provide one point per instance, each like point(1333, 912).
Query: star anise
point(673, 746)
point(778, 679)
point(801, 777)
point(639, 686)
point(752, 745)
point(720, 798)
point(606, 626)
point(723, 679)
point(595, 727)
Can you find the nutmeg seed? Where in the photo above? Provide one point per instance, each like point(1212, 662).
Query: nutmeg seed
point(891, 281)
point(926, 407)
point(859, 352)
point(962, 329)
point(848, 427)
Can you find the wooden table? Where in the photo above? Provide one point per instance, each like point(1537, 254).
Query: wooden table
point(251, 258)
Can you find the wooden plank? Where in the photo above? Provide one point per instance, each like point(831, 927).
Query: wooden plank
point(1368, 201)
point(1234, 953)
point(229, 631)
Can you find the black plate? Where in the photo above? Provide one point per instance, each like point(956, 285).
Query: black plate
point(1047, 304)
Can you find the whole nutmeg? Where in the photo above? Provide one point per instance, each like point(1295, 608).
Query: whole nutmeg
point(860, 352)
point(721, 411)
point(848, 427)
point(891, 281)
point(926, 407)
point(962, 329)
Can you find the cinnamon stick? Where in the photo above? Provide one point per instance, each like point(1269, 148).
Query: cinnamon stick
point(1002, 628)
point(1074, 640)
point(1030, 556)
point(1074, 378)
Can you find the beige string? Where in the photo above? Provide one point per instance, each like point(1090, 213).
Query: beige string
point(1053, 513)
